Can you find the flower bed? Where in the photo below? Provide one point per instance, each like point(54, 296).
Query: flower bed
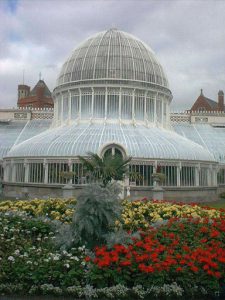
point(188, 252)
point(141, 213)
point(28, 255)
point(180, 252)
point(136, 214)
point(54, 209)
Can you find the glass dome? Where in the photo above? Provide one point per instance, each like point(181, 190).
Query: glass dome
point(112, 76)
point(114, 55)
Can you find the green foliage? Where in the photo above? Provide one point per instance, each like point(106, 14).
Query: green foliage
point(120, 236)
point(67, 175)
point(222, 195)
point(96, 212)
point(160, 177)
point(105, 169)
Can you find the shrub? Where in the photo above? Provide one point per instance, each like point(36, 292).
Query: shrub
point(97, 210)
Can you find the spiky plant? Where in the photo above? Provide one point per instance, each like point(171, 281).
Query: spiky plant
point(97, 210)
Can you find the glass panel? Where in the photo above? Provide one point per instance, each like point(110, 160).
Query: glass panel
point(126, 107)
point(75, 106)
point(150, 108)
point(99, 106)
point(159, 110)
point(65, 107)
point(203, 178)
point(187, 176)
point(54, 172)
point(59, 103)
point(141, 175)
point(20, 172)
point(113, 107)
point(221, 176)
point(86, 106)
point(171, 175)
point(79, 176)
point(139, 107)
point(1, 172)
point(36, 172)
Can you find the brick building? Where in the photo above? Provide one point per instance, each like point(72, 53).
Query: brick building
point(203, 103)
point(39, 97)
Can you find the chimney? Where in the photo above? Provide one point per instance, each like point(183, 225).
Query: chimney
point(220, 101)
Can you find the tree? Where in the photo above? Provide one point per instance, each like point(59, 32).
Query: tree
point(105, 169)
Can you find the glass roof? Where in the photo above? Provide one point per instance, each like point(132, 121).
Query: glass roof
point(138, 142)
point(113, 54)
point(16, 132)
point(8, 135)
point(211, 138)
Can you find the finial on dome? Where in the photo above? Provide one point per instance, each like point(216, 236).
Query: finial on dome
point(113, 28)
point(201, 92)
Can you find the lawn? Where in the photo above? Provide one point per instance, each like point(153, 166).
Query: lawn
point(216, 204)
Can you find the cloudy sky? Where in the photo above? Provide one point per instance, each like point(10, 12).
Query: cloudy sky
point(187, 36)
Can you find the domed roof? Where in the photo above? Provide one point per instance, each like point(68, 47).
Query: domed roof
point(114, 55)
point(138, 142)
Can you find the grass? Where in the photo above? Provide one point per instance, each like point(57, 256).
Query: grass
point(216, 204)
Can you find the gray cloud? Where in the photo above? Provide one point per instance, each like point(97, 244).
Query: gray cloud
point(187, 36)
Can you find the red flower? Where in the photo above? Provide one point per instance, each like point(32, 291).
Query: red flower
point(179, 269)
point(203, 229)
point(104, 263)
point(194, 269)
point(125, 263)
point(87, 258)
point(205, 267)
point(217, 275)
point(214, 233)
point(146, 269)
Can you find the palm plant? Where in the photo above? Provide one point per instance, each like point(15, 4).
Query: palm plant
point(105, 169)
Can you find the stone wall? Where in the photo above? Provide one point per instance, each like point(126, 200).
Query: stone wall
point(178, 194)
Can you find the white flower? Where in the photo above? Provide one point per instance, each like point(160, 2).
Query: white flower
point(67, 266)
point(29, 262)
point(17, 252)
point(11, 258)
point(75, 258)
point(56, 257)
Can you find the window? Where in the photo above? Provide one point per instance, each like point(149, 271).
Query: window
point(187, 176)
point(112, 151)
point(36, 172)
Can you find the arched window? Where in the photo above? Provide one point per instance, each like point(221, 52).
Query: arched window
point(112, 151)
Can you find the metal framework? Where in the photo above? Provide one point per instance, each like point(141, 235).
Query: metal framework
point(177, 174)
point(126, 104)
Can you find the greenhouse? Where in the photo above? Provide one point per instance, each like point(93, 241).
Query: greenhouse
point(112, 95)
